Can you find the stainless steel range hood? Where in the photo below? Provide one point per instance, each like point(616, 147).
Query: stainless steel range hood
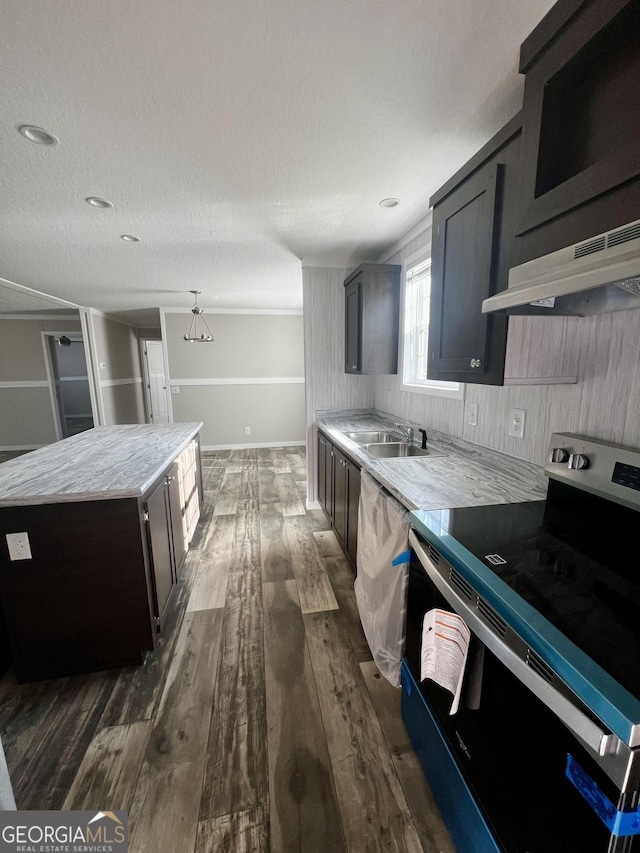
point(593, 277)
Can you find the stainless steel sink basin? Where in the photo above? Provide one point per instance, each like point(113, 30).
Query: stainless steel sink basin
point(399, 450)
point(374, 437)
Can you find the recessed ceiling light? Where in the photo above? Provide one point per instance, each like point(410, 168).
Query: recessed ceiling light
point(389, 202)
point(129, 238)
point(94, 201)
point(37, 134)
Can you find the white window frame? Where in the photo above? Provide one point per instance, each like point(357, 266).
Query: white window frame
point(452, 390)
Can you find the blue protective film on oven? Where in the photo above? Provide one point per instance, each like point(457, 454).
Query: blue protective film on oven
point(404, 557)
point(618, 822)
point(406, 680)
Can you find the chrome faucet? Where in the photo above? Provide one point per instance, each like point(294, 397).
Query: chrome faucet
point(407, 431)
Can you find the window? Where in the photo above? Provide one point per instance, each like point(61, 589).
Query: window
point(417, 293)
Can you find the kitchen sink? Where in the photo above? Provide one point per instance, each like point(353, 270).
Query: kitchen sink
point(399, 450)
point(374, 437)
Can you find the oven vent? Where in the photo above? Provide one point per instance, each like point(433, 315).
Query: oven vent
point(491, 617)
point(539, 666)
point(463, 587)
point(433, 555)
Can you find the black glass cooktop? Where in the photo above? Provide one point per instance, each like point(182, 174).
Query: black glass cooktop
point(574, 557)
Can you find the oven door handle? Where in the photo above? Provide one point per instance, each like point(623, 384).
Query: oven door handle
point(599, 741)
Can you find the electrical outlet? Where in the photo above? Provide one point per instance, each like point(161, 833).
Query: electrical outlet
point(516, 423)
point(389, 394)
point(175, 389)
point(19, 548)
point(247, 430)
point(472, 414)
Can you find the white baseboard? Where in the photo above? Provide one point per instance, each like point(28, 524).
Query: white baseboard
point(258, 444)
point(11, 447)
point(313, 504)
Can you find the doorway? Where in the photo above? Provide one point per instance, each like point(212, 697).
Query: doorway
point(155, 384)
point(69, 382)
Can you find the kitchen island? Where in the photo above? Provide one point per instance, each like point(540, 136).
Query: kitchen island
point(93, 534)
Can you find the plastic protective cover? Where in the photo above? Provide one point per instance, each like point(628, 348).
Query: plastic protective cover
point(382, 575)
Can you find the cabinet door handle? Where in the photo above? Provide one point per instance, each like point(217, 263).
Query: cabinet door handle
point(475, 362)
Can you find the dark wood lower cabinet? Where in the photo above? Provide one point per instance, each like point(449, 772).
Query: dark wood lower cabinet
point(176, 512)
point(165, 534)
point(324, 472)
point(339, 494)
point(353, 501)
point(85, 601)
point(159, 532)
point(93, 594)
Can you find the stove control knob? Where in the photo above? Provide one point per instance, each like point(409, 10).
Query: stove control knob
point(578, 461)
point(559, 454)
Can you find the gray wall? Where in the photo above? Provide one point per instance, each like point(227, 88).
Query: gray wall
point(605, 402)
point(115, 345)
point(251, 375)
point(26, 415)
point(328, 386)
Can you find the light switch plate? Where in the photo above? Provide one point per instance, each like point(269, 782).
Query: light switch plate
point(19, 547)
point(175, 389)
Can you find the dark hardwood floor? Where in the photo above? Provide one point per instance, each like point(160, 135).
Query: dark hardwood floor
point(260, 722)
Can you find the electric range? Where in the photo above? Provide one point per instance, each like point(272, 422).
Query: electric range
point(551, 592)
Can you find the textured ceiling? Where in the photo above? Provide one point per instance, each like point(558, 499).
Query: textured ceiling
point(15, 299)
point(236, 138)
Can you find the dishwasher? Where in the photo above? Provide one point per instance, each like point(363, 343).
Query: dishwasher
point(382, 571)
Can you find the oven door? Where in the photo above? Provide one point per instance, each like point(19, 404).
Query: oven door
point(508, 747)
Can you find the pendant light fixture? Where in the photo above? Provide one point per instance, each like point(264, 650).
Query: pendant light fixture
point(195, 336)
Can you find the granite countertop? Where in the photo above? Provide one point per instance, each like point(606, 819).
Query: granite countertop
point(469, 475)
point(100, 464)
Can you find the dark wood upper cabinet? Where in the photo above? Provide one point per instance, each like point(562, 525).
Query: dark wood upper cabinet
point(463, 262)
point(581, 121)
point(372, 317)
point(474, 219)
point(473, 222)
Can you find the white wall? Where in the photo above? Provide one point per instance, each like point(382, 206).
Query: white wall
point(250, 375)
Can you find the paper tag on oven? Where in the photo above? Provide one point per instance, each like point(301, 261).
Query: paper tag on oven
point(445, 644)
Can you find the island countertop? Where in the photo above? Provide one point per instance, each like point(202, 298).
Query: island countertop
point(103, 463)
